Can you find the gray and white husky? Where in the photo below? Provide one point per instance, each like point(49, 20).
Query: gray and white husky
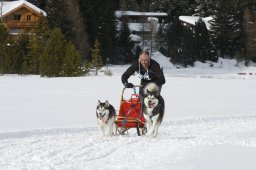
point(105, 113)
point(153, 108)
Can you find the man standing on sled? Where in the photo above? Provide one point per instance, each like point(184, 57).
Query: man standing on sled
point(148, 71)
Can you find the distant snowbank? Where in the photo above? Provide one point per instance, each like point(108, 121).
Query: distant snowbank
point(224, 68)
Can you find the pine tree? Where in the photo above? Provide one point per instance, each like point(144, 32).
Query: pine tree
point(143, 4)
point(122, 5)
point(180, 43)
point(203, 47)
point(161, 44)
point(3, 33)
point(54, 54)
point(236, 23)
point(201, 40)
point(125, 45)
point(160, 5)
point(108, 32)
point(9, 58)
point(226, 30)
point(56, 13)
point(205, 8)
point(3, 45)
point(39, 3)
point(21, 48)
point(12, 58)
point(32, 61)
point(186, 52)
point(178, 8)
point(96, 61)
point(42, 29)
point(71, 66)
point(173, 39)
point(37, 43)
point(100, 20)
point(250, 35)
point(132, 5)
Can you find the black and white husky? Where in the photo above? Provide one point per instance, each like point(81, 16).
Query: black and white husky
point(153, 108)
point(105, 113)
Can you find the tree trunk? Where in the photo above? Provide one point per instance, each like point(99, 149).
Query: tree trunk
point(80, 34)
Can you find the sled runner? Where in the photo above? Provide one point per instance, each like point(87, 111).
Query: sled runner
point(129, 115)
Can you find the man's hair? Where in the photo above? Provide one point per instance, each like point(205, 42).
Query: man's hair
point(147, 53)
point(144, 52)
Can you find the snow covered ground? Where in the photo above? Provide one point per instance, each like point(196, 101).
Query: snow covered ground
point(209, 124)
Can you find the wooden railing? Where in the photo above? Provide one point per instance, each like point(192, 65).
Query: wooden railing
point(15, 24)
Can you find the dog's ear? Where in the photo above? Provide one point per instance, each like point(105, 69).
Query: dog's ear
point(107, 103)
point(148, 91)
point(98, 103)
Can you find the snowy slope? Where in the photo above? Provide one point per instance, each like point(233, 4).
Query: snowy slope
point(210, 121)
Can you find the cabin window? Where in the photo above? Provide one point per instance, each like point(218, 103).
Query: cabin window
point(16, 17)
point(134, 20)
point(28, 17)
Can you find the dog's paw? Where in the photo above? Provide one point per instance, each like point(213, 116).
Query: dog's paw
point(109, 135)
point(154, 135)
point(149, 134)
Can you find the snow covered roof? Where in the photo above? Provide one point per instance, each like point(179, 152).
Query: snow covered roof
point(4, 3)
point(135, 38)
point(11, 6)
point(134, 13)
point(193, 19)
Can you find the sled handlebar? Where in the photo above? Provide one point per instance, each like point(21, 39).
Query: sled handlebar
point(134, 90)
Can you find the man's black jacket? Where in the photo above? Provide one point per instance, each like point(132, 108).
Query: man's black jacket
point(153, 74)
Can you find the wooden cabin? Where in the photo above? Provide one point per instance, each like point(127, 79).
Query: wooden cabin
point(20, 16)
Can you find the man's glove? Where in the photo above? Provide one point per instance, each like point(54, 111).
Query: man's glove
point(128, 85)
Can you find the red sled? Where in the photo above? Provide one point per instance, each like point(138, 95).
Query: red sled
point(130, 115)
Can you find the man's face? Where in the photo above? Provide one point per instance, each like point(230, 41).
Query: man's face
point(144, 60)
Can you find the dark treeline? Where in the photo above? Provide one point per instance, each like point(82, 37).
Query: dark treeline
point(229, 37)
point(71, 28)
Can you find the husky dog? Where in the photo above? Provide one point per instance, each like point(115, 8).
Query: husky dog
point(153, 108)
point(105, 113)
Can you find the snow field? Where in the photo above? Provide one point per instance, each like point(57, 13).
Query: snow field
point(84, 148)
point(209, 123)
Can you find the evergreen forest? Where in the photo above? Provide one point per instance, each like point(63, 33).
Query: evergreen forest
point(78, 35)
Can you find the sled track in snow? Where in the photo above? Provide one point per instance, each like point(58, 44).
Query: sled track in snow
point(84, 148)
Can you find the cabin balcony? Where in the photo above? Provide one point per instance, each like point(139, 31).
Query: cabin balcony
point(20, 24)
